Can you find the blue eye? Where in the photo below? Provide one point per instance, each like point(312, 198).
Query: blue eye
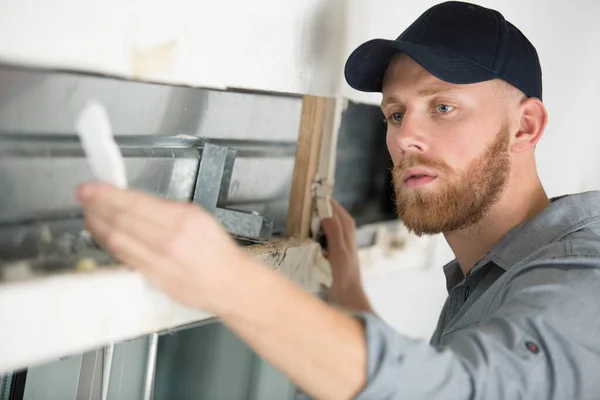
point(443, 108)
point(397, 117)
point(394, 118)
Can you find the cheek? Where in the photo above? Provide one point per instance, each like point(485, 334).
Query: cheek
point(459, 154)
point(451, 151)
point(392, 147)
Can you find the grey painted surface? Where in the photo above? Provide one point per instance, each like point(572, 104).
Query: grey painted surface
point(68, 379)
point(48, 102)
point(53, 381)
point(208, 362)
point(44, 188)
point(127, 375)
point(269, 383)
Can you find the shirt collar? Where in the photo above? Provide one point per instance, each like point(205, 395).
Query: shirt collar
point(564, 215)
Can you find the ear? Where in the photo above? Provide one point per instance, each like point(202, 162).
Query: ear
point(532, 122)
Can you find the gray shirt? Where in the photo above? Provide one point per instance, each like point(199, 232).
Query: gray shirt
point(523, 324)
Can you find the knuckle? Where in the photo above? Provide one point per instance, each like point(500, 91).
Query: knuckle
point(113, 239)
point(119, 220)
point(184, 218)
point(347, 217)
point(133, 204)
point(182, 232)
point(189, 223)
point(173, 246)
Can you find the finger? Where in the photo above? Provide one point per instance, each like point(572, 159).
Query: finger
point(347, 222)
point(346, 219)
point(110, 222)
point(334, 232)
point(127, 249)
point(96, 226)
point(159, 211)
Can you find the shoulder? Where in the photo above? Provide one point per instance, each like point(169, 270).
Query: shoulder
point(572, 261)
point(567, 274)
point(579, 245)
point(562, 277)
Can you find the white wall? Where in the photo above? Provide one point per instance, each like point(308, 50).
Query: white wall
point(292, 46)
point(300, 46)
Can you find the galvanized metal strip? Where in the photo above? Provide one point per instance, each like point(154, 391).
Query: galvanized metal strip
point(210, 174)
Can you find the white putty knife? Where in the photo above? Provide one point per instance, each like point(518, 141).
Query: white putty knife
point(98, 142)
point(106, 162)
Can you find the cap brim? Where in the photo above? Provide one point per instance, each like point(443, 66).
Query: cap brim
point(366, 66)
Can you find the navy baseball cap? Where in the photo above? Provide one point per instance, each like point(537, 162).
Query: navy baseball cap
point(458, 43)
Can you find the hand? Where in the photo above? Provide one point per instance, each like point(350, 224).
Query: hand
point(178, 247)
point(342, 253)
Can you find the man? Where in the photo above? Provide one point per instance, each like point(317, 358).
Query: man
point(462, 96)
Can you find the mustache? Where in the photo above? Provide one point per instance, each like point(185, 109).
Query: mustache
point(417, 160)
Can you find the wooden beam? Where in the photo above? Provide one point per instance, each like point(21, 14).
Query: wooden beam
point(315, 120)
point(300, 260)
point(325, 176)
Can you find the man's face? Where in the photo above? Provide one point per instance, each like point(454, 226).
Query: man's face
point(449, 145)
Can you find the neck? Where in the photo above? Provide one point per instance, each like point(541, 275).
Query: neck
point(517, 204)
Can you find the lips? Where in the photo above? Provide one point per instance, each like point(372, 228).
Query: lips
point(417, 173)
point(418, 177)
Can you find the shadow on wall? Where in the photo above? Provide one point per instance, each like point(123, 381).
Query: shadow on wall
point(323, 43)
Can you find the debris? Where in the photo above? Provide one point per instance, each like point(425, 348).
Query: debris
point(86, 265)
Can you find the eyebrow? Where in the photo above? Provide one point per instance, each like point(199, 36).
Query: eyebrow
point(433, 90)
point(426, 92)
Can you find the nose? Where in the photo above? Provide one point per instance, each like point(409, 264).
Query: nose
point(407, 138)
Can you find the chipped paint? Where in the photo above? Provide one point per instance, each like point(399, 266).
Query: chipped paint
point(154, 61)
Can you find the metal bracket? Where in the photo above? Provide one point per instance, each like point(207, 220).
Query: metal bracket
point(212, 189)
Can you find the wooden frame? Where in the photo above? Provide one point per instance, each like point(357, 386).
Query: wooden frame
point(312, 170)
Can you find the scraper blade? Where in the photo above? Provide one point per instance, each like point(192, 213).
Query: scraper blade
point(104, 156)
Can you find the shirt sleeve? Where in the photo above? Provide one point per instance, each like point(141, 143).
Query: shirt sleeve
point(543, 341)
